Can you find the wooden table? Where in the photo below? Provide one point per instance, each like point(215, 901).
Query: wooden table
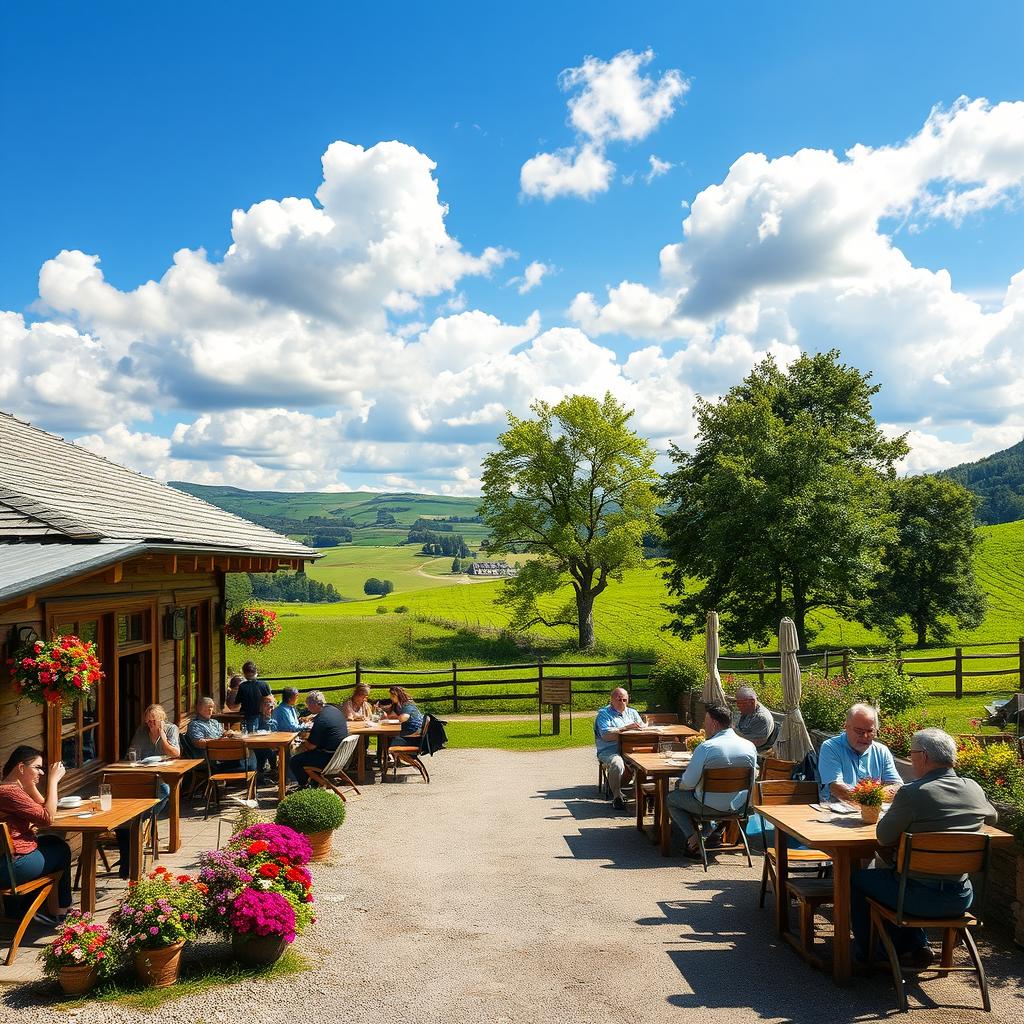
point(845, 838)
point(122, 812)
point(364, 730)
point(279, 741)
point(173, 773)
point(652, 765)
point(653, 734)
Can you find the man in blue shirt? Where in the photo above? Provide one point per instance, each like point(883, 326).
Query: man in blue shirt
point(855, 754)
point(616, 717)
point(286, 717)
point(723, 748)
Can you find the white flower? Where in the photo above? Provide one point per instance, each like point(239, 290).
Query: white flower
point(77, 954)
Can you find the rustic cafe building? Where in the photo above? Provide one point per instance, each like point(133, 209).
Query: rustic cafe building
point(91, 548)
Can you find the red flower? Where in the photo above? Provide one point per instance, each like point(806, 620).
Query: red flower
point(259, 846)
point(270, 870)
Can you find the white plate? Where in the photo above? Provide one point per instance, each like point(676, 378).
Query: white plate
point(152, 759)
point(67, 802)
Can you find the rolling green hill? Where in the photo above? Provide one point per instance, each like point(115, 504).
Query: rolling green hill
point(998, 481)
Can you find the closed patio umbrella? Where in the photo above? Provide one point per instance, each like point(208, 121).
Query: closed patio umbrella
point(793, 743)
point(712, 692)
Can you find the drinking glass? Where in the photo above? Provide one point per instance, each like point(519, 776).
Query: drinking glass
point(133, 755)
point(243, 729)
point(106, 797)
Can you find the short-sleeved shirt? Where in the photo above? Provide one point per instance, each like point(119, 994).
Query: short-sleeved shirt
point(839, 762)
point(756, 727)
point(329, 729)
point(23, 816)
point(414, 723)
point(250, 698)
point(286, 718)
point(723, 750)
point(608, 718)
point(146, 747)
point(202, 729)
point(359, 714)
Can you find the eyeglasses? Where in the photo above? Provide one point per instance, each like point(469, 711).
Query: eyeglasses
point(864, 732)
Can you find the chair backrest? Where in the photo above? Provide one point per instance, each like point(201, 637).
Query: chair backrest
point(7, 879)
point(948, 854)
point(425, 735)
point(141, 785)
point(785, 791)
point(226, 750)
point(662, 718)
point(341, 757)
point(775, 769)
point(726, 780)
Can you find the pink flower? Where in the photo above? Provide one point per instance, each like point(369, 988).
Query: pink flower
point(153, 930)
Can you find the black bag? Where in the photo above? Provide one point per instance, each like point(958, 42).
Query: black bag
point(436, 735)
point(807, 769)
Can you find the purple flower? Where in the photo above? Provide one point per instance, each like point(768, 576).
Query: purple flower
point(154, 930)
point(281, 841)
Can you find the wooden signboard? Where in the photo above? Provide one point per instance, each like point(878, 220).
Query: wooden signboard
point(555, 692)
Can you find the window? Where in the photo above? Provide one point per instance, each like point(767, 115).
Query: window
point(132, 628)
point(192, 659)
point(80, 720)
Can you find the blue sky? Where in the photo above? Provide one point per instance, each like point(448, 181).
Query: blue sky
point(133, 131)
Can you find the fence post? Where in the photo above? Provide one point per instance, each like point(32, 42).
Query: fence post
point(899, 663)
point(358, 670)
point(846, 664)
point(1020, 663)
point(958, 668)
point(629, 675)
point(455, 688)
point(760, 674)
point(824, 670)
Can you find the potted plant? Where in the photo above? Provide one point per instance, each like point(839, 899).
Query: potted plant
point(263, 923)
point(62, 668)
point(158, 915)
point(693, 742)
point(869, 794)
point(83, 952)
point(253, 627)
point(315, 813)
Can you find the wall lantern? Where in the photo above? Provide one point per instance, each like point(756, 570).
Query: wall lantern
point(174, 624)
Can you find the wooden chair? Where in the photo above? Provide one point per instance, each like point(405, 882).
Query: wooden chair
point(411, 755)
point(810, 891)
point(38, 889)
point(724, 780)
point(773, 769)
point(662, 718)
point(140, 786)
point(942, 854)
point(335, 768)
point(218, 751)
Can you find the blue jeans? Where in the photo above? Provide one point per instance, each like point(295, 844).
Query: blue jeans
point(314, 758)
point(921, 899)
point(124, 835)
point(52, 854)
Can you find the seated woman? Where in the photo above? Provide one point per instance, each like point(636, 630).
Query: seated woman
point(156, 737)
point(25, 810)
point(358, 707)
point(231, 697)
point(405, 711)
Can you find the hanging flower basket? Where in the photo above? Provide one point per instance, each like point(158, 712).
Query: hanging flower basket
point(253, 627)
point(64, 668)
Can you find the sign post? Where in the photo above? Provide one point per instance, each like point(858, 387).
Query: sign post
point(555, 692)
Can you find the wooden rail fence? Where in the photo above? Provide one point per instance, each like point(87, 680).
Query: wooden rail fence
point(462, 681)
point(758, 663)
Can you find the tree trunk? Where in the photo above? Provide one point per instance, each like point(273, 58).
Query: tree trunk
point(922, 632)
point(585, 612)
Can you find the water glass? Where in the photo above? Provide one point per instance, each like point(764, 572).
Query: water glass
point(106, 797)
point(133, 755)
point(243, 729)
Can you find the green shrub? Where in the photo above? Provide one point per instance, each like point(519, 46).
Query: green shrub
point(672, 675)
point(310, 811)
point(401, 609)
point(825, 702)
point(381, 610)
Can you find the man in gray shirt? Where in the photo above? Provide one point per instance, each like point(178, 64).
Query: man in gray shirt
point(755, 723)
point(938, 800)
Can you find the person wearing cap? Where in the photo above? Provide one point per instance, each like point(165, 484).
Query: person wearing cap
point(755, 722)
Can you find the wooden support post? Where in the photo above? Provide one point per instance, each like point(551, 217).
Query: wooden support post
point(114, 574)
point(1020, 663)
point(171, 565)
point(455, 688)
point(760, 674)
point(824, 669)
point(958, 668)
point(846, 664)
point(358, 673)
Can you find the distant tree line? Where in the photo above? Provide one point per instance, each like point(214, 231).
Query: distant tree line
point(998, 482)
point(449, 544)
point(242, 588)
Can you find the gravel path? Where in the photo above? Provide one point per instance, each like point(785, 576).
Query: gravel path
point(517, 896)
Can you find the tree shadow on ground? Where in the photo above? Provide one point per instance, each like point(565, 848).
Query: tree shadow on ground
point(729, 957)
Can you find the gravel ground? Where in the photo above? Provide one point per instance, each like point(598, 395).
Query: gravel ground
point(513, 894)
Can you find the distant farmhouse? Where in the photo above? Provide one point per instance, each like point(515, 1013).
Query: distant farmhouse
point(91, 548)
point(492, 569)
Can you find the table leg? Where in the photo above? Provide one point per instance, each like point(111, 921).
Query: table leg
point(638, 795)
point(361, 759)
point(666, 821)
point(781, 876)
point(282, 769)
point(841, 967)
point(135, 855)
point(88, 860)
point(174, 813)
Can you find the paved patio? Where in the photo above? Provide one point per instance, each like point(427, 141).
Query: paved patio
point(505, 891)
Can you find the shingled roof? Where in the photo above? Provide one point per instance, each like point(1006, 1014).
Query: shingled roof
point(52, 491)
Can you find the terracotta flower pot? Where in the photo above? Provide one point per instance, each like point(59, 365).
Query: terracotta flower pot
point(258, 950)
point(869, 815)
point(76, 980)
point(321, 844)
point(158, 968)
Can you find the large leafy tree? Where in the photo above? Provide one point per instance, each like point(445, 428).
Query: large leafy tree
point(575, 486)
point(782, 508)
point(928, 574)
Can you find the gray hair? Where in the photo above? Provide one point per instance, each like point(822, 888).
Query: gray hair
point(746, 693)
point(938, 746)
point(864, 709)
point(316, 697)
point(206, 700)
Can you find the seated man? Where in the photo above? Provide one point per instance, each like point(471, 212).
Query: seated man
point(329, 729)
point(616, 717)
point(286, 717)
point(266, 760)
point(855, 754)
point(722, 749)
point(756, 723)
point(204, 727)
point(938, 800)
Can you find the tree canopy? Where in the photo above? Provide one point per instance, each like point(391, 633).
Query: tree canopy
point(928, 574)
point(783, 506)
point(573, 485)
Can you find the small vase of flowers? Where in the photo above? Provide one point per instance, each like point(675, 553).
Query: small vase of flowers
point(693, 742)
point(83, 952)
point(64, 668)
point(263, 923)
point(253, 627)
point(869, 794)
